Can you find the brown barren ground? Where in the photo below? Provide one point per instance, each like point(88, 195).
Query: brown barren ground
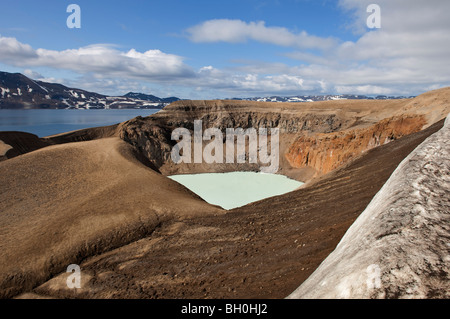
point(117, 200)
point(263, 250)
point(102, 203)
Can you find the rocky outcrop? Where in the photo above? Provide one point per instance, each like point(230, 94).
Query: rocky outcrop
point(399, 246)
point(261, 250)
point(17, 143)
point(152, 135)
point(326, 152)
point(289, 118)
point(315, 138)
point(137, 234)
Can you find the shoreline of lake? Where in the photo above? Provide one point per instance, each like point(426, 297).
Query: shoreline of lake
point(55, 121)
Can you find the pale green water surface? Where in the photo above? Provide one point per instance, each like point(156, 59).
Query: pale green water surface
point(235, 189)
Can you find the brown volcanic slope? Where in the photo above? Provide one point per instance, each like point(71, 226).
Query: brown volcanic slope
point(16, 143)
point(63, 203)
point(79, 202)
point(262, 250)
point(399, 246)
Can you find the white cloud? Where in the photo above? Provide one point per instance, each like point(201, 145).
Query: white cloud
point(401, 15)
point(363, 89)
point(250, 83)
point(32, 74)
point(12, 50)
point(100, 59)
point(235, 31)
point(408, 55)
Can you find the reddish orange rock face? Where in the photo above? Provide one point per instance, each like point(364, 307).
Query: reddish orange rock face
point(327, 151)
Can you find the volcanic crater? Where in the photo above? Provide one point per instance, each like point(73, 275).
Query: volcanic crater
point(101, 198)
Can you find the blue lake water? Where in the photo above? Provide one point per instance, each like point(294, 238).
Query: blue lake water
point(49, 122)
point(235, 189)
point(228, 190)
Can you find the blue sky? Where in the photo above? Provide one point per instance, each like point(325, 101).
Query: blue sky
point(222, 49)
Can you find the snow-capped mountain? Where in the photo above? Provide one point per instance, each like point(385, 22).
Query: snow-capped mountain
point(149, 97)
point(314, 98)
point(20, 92)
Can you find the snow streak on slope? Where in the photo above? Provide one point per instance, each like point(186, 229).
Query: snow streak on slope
point(399, 246)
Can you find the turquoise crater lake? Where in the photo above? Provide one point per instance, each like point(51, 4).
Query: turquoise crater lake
point(235, 189)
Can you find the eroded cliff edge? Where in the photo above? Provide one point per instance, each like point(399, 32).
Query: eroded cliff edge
point(261, 250)
point(399, 246)
point(315, 138)
point(59, 188)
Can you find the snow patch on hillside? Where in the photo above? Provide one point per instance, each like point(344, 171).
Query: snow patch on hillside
point(398, 247)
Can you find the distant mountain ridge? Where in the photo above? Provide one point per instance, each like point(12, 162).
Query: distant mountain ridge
point(20, 92)
point(315, 98)
point(152, 98)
